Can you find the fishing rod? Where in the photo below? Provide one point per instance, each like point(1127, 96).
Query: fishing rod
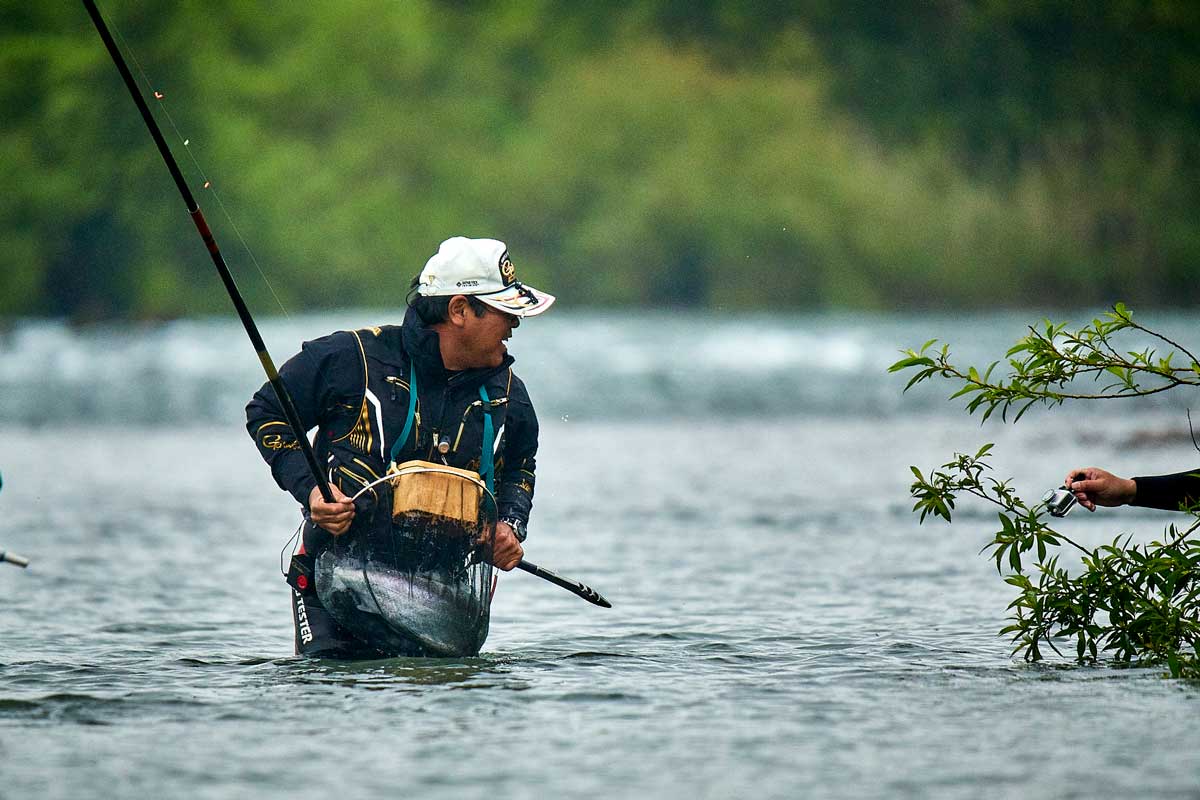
point(206, 234)
point(260, 347)
point(11, 558)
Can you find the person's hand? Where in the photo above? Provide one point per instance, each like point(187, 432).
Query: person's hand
point(1096, 487)
point(506, 550)
point(334, 517)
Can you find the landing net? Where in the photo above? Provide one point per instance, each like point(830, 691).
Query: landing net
point(412, 575)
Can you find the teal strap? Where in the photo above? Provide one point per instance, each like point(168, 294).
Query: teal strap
point(487, 461)
point(412, 412)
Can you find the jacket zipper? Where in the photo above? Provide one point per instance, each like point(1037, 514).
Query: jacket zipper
point(395, 381)
point(463, 423)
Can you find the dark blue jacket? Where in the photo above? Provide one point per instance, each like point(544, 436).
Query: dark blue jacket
point(353, 386)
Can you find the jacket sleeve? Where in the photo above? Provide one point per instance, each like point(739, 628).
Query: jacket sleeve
point(517, 475)
point(307, 378)
point(1168, 492)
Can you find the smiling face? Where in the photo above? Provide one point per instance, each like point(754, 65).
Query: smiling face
point(469, 341)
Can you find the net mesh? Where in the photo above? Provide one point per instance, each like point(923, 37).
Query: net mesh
point(414, 580)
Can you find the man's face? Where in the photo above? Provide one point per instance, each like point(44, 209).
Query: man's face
point(484, 337)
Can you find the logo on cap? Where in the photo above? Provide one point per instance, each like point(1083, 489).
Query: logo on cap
point(508, 272)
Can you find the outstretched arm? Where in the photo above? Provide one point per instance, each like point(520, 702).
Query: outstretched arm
point(1097, 487)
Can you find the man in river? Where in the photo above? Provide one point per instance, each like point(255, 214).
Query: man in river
point(355, 388)
point(1097, 487)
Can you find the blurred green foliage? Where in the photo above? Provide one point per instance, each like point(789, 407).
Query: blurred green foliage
point(723, 154)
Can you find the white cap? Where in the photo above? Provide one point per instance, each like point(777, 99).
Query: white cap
point(481, 268)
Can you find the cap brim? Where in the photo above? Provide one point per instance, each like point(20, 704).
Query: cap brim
point(520, 301)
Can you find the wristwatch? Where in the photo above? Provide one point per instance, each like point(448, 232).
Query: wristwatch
point(518, 527)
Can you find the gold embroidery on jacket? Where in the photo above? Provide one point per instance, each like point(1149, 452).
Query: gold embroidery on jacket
point(360, 436)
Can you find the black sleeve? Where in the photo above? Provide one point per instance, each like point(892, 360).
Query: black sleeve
point(1169, 492)
point(516, 478)
point(308, 377)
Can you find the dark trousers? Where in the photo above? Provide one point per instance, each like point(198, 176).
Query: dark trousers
point(317, 633)
point(319, 636)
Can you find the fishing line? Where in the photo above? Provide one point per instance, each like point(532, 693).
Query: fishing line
point(161, 98)
point(214, 252)
point(293, 540)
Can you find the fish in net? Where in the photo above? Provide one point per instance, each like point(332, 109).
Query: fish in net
point(412, 576)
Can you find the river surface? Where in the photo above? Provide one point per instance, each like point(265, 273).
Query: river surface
point(736, 486)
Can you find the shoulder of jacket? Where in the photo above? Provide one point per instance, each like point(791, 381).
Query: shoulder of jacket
point(332, 345)
point(383, 342)
point(382, 332)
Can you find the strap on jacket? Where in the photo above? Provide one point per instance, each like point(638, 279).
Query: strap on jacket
point(487, 460)
point(412, 412)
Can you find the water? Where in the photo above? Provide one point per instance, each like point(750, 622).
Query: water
point(782, 626)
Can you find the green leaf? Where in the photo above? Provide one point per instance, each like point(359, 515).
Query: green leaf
point(914, 361)
point(1122, 374)
point(966, 390)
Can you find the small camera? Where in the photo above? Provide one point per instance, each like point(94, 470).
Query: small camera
point(1059, 502)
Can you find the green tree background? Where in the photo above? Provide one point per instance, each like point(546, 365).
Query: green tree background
point(715, 154)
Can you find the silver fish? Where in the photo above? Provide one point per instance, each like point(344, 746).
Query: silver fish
point(392, 609)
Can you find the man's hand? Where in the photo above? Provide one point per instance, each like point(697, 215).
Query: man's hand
point(506, 550)
point(334, 517)
point(1095, 487)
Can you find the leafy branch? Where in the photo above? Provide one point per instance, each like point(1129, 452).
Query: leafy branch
point(1047, 364)
point(1131, 603)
